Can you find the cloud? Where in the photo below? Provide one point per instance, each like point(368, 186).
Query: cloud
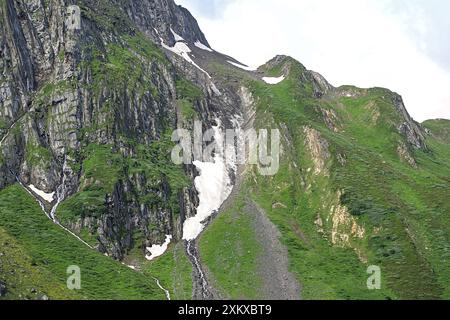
point(396, 44)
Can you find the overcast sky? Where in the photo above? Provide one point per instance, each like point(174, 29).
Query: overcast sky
point(403, 45)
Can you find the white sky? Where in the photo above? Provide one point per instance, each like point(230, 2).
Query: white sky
point(402, 45)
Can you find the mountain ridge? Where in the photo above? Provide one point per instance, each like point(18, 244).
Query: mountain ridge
point(86, 116)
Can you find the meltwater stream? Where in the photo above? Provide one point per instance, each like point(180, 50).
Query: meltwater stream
point(51, 215)
point(60, 195)
point(202, 291)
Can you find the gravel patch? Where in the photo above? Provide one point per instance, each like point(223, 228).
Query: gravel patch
point(278, 283)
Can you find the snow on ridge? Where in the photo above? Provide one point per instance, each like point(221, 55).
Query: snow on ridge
point(158, 250)
point(200, 45)
point(176, 36)
point(246, 68)
point(272, 80)
point(213, 185)
point(183, 50)
point(46, 196)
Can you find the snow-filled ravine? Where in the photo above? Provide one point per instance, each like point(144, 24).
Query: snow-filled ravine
point(272, 80)
point(49, 197)
point(213, 185)
point(176, 36)
point(158, 250)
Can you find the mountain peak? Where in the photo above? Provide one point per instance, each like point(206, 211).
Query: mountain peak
point(158, 18)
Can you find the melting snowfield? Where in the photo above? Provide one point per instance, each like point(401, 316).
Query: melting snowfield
point(271, 80)
point(246, 68)
point(46, 196)
point(182, 49)
point(213, 186)
point(200, 45)
point(176, 36)
point(158, 250)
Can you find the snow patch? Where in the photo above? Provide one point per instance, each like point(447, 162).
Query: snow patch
point(246, 68)
point(46, 196)
point(183, 50)
point(176, 36)
point(158, 250)
point(200, 45)
point(271, 80)
point(215, 89)
point(213, 186)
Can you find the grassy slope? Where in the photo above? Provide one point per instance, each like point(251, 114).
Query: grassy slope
point(408, 205)
point(174, 272)
point(41, 252)
point(230, 251)
point(440, 128)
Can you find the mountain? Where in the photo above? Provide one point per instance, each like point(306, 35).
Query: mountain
point(90, 94)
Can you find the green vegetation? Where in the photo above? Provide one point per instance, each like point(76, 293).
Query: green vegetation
point(188, 96)
point(440, 129)
point(37, 155)
point(127, 64)
point(44, 251)
point(174, 272)
point(103, 168)
point(230, 251)
point(44, 94)
point(24, 277)
point(402, 211)
point(187, 109)
point(189, 91)
point(106, 17)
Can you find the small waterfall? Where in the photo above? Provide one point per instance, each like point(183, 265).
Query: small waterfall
point(61, 191)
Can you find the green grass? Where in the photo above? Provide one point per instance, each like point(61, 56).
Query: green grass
point(187, 90)
point(403, 210)
point(187, 109)
point(174, 272)
point(45, 250)
point(26, 279)
point(230, 250)
point(102, 169)
point(440, 128)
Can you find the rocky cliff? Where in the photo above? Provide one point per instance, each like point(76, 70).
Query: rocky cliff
point(87, 113)
point(91, 91)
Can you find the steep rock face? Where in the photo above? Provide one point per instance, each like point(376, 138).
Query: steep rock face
point(87, 111)
point(64, 91)
point(413, 131)
point(157, 18)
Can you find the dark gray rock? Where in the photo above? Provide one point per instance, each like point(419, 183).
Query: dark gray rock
point(54, 103)
point(413, 131)
point(3, 289)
